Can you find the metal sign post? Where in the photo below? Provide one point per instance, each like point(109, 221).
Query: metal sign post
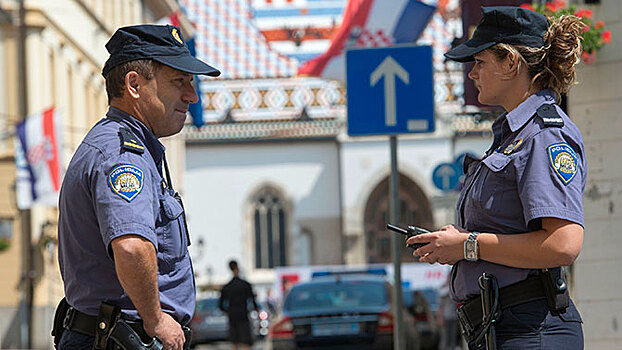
point(402, 103)
point(394, 213)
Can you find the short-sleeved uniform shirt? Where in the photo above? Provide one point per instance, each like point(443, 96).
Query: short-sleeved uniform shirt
point(111, 190)
point(535, 168)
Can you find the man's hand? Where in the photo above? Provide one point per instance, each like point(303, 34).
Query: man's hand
point(168, 330)
point(137, 269)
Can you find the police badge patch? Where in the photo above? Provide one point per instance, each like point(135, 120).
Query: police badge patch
point(563, 160)
point(126, 181)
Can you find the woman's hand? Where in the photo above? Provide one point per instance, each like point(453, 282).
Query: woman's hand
point(445, 246)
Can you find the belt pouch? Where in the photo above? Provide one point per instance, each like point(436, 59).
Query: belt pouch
point(555, 288)
point(106, 319)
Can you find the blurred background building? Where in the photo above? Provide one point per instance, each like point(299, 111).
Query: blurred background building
point(64, 45)
point(268, 173)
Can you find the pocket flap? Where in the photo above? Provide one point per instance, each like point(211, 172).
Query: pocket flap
point(497, 161)
point(172, 208)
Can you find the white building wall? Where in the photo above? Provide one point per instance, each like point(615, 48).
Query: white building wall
point(219, 180)
point(595, 105)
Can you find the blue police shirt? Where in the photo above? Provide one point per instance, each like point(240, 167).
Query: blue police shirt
point(536, 168)
point(107, 192)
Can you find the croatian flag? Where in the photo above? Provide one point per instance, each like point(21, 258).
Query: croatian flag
point(370, 23)
point(37, 157)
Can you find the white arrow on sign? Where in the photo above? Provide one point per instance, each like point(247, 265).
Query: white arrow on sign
point(389, 69)
point(446, 173)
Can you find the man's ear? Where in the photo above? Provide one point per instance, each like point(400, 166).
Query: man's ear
point(133, 82)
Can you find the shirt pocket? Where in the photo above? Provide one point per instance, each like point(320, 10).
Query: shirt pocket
point(494, 184)
point(172, 229)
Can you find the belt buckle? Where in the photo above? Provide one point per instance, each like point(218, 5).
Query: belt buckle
point(69, 316)
point(465, 324)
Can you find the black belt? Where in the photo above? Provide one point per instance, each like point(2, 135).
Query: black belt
point(86, 324)
point(470, 313)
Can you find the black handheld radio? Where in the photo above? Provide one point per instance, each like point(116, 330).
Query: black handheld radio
point(411, 231)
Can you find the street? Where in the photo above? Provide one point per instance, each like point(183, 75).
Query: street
point(227, 346)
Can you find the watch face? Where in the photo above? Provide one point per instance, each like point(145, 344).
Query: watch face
point(471, 254)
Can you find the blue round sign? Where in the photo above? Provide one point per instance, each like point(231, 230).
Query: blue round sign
point(445, 176)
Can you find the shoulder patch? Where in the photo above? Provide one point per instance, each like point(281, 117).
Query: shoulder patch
point(563, 160)
point(130, 142)
point(126, 181)
point(549, 115)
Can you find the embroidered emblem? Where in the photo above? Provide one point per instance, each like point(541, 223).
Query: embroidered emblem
point(176, 35)
point(563, 160)
point(513, 146)
point(126, 181)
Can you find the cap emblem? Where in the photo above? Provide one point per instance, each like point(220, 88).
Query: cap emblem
point(176, 35)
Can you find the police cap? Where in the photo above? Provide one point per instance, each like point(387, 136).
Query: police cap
point(502, 24)
point(161, 43)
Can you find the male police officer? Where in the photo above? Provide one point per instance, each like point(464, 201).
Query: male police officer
point(122, 233)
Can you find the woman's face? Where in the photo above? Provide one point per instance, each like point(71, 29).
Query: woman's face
point(490, 78)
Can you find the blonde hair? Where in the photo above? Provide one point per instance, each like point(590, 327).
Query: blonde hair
point(551, 66)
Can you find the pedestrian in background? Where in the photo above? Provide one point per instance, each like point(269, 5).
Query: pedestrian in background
point(235, 299)
point(122, 233)
point(520, 213)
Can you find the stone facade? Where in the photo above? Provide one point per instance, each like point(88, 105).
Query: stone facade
point(594, 104)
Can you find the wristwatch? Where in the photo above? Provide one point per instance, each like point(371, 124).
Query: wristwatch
point(471, 249)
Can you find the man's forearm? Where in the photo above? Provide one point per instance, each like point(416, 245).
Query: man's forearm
point(137, 270)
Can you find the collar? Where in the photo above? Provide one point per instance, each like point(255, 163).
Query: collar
point(154, 146)
point(520, 115)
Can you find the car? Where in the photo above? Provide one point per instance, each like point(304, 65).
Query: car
point(260, 320)
point(353, 311)
point(422, 305)
point(209, 323)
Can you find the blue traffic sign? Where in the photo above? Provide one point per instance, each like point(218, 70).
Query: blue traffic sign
point(390, 90)
point(445, 176)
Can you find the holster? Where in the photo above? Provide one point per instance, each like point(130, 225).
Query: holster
point(106, 320)
point(59, 316)
point(126, 338)
point(555, 288)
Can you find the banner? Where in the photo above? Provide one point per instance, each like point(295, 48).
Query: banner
point(37, 159)
point(370, 23)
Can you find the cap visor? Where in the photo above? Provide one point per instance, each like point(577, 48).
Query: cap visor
point(465, 51)
point(188, 64)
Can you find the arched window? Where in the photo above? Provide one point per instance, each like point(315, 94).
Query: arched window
point(270, 226)
point(414, 209)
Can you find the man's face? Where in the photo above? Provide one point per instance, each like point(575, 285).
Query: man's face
point(165, 100)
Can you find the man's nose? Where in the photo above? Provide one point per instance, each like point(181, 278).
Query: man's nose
point(190, 95)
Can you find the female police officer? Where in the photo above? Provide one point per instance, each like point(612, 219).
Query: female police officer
point(520, 211)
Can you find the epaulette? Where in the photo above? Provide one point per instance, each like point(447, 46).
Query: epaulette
point(549, 115)
point(130, 142)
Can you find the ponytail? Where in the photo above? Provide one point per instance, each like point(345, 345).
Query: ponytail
point(551, 66)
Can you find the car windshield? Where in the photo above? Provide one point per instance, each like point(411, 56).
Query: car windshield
point(344, 294)
point(208, 307)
